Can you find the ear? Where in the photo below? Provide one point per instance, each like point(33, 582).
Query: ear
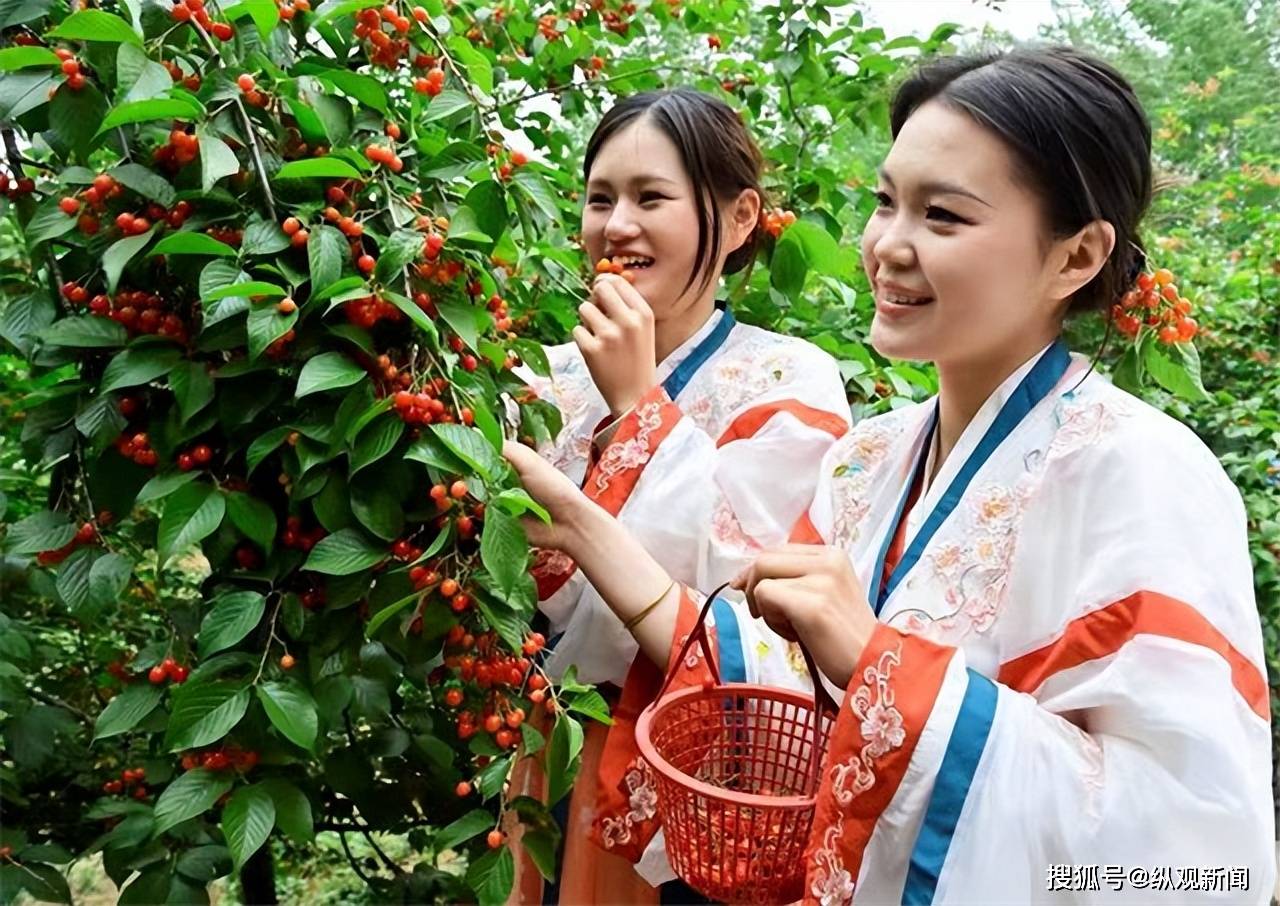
point(1080, 257)
point(743, 217)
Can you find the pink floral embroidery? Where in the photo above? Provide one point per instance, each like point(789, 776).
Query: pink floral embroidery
point(727, 530)
point(879, 724)
point(547, 563)
point(633, 453)
point(859, 453)
point(831, 883)
point(642, 799)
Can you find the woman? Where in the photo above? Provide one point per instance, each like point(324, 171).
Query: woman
point(1049, 688)
point(696, 414)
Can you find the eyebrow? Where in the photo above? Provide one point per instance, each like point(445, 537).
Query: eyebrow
point(937, 187)
point(641, 179)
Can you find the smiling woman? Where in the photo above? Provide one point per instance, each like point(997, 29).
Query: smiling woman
point(678, 420)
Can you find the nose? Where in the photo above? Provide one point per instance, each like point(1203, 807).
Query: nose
point(893, 246)
point(622, 225)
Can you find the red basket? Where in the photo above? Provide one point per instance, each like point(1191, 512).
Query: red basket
point(737, 768)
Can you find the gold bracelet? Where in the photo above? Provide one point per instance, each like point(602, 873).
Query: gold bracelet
point(635, 621)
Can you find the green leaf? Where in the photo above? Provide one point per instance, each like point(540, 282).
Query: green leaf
point(380, 618)
point(788, 267)
point(85, 331)
point(343, 553)
point(95, 25)
point(216, 158)
point(255, 520)
point(126, 710)
point(164, 484)
point(145, 182)
point(192, 793)
point(138, 77)
point(73, 577)
point(562, 757)
point(42, 531)
point(326, 250)
point(108, 578)
point(318, 168)
point(504, 549)
point(264, 13)
point(231, 617)
point(192, 387)
point(376, 506)
point(470, 446)
point(204, 713)
point(444, 104)
point(121, 252)
point(264, 237)
point(822, 252)
point(49, 222)
point(263, 446)
point(400, 248)
point(100, 421)
point(1174, 376)
point(247, 820)
point(138, 365)
point(339, 287)
point(293, 810)
point(292, 711)
point(491, 876)
point(21, 92)
point(469, 826)
point(265, 325)
point(248, 288)
point(375, 442)
point(465, 226)
point(592, 704)
point(366, 90)
point(192, 243)
point(478, 67)
point(178, 107)
point(517, 502)
point(463, 319)
point(13, 58)
point(191, 514)
point(328, 371)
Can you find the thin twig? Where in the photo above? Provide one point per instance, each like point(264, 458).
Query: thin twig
point(342, 835)
point(257, 159)
point(395, 869)
point(59, 703)
point(594, 83)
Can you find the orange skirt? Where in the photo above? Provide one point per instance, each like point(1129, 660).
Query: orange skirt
point(588, 874)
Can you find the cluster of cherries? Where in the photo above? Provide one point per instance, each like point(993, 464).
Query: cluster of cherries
point(367, 312)
point(381, 154)
point(194, 11)
point(137, 446)
point(1156, 302)
point(181, 149)
point(138, 311)
point(13, 189)
point(71, 69)
point(296, 537)
point(189, 82)
point(290, 8)
point(129, 777)
point(478, 661)
point(610, 266)
point(774, 222)
point(167, 670)
point(86, 534)
point(249, 88)
point(199, 455)
point(226, 756)
point(386, 47)
point(431, 84)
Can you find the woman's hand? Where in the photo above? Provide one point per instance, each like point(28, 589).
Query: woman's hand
point(616, 339)
point(560, 497)
point(810, 593)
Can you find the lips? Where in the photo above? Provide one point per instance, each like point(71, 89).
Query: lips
point(892, 294)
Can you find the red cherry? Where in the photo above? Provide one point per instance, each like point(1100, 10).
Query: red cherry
point(245, 82)
point(458, 489)
point(157, 675)
point(463, 789)
point(492, 724)
point(495, 838)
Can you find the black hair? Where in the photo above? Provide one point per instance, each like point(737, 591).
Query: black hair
point(1079, 135)
point(717, 151)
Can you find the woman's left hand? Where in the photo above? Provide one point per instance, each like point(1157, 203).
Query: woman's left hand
point(810, 593)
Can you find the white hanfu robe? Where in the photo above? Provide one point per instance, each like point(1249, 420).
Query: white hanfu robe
point(1065, 700)
point(720, 461)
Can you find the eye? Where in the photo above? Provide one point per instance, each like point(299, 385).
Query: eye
point(649, 197)
point(883, 200)
point(933, 212)
point(597, 199)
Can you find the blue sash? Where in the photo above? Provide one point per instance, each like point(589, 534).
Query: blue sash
point(1037, 384)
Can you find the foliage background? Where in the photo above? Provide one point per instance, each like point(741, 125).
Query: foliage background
point(813, 81)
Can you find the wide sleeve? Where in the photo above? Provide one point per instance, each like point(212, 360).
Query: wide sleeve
point(1122, 749)
point(702, 505)
point(703, 502)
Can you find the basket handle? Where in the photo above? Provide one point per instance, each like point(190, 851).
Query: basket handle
point(821, 698)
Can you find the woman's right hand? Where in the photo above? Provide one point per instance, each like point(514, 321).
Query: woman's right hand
point(561, 498)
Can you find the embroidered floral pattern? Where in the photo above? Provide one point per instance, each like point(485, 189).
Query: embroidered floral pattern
point(880, 725)
point(622, 456)
point(859, 453)
point(548, 563)
point(727, 530)
point(830, 882)
point(642, 799)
